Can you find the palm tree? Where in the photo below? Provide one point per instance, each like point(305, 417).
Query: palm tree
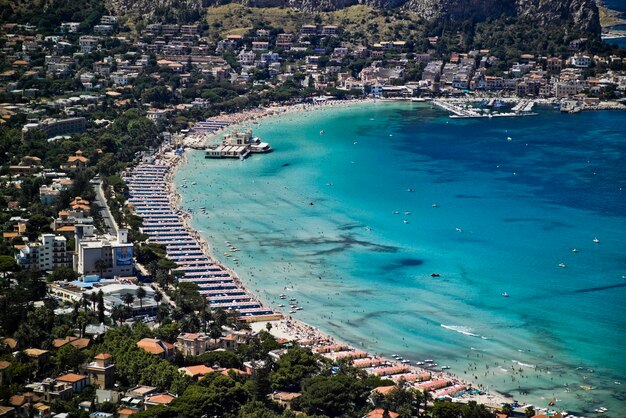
point(94, 299)
point(141, 293)
point(128, 299)
point(100, 264)
point(116, 314)
point(158, 297)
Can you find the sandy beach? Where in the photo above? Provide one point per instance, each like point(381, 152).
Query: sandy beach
point(288, 327)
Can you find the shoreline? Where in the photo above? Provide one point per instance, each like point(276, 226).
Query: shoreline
point(289, 327)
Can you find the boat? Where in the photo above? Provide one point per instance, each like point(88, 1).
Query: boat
point(445, 367)
point(293, 299)
point(574, 250)
point(562, 265)
point(395, 212)
point(458, 229)
point(406, 221)
point(410, 190)
point(508, 138)
point(419, 363)
point(292, 311)
point(435, 275)
point(281, 306)
point(407, 213)
point(596, 240)
point(429, 361)
point(293, 306)
point(506, 295)
point(322, 132)
point(434, 205)
point(299, 308)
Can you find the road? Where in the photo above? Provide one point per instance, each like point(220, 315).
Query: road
point(109, 222)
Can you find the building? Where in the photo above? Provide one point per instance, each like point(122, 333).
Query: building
point(581, 61)
point(87, 44)
point(76, 162)
point(330, 30)
point(156, 347)
point(104, 255)
point(192, 344)
point(46, 255)
point(283, 40)
point(56, 127)
point(49, 194)
point(50, 390)
point(196, 372)
point(161, 399)
point(101, 371)
point(77, 381)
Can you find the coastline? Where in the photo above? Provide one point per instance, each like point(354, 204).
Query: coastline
point(289, 327)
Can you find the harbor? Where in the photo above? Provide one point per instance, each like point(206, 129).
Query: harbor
point(238, 145)
point(464, 109)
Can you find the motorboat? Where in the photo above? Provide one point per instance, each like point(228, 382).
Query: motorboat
point(435, 275)
point(574, 250)
point(596, 240)
point(506, 295)
point(562, 265)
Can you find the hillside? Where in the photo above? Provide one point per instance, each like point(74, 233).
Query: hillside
point(579, 14)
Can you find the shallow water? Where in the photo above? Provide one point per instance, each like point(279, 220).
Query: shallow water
point(315, 219)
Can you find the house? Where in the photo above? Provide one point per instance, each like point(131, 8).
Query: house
point(196, 372)
point(76, 342)
point(285, 398)
point(77, 381)
point(192, 344)
point(50, 390)
point(161, 399)
point(156, 347)
point(380, 413)
point(37, 356)
point(102, 371)
point(76, 162)
point(283, 40)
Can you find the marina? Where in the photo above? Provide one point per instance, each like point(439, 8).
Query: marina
point(463, 109)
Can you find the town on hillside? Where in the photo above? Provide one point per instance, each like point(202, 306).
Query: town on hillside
point(110, 306)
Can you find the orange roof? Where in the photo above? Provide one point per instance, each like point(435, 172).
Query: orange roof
point(60, 342)
point(378, 413)
point(72, 378)
point(103, 356)
point(126, 412)
point(77, 158)
point(162, 399)
point(4, 364)
point(154, 346)
point(384, 390)
point(17, 400)
point(81, 343)
point(7, 235)
point(66, 228)
point(196, 371)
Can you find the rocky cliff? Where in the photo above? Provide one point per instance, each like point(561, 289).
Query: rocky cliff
point(583, 14)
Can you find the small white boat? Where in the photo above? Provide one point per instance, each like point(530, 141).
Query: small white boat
point(508, 138)
point(292, 311)
point(407, 213)
point(299, 308)
point(458, 229)
point(322, 132)
point(396, 212)
point(562, 265)
point(574, 250)
point(506, 295)
point(406, 221)
point(596, 240)
point(445, 367)
point(281, 306)
point(434, 205)
point(419, 363)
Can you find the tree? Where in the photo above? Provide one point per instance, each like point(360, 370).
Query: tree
point(128, 299)
point(529, 412)
point(100, 307)
point(507, 409)
point(7, 264)
point(293, 367)
point(158, 296)
point(66, 274)
point(141, 293)
point(101, 265)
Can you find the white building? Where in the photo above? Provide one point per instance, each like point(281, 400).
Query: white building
point(115, 252)
point(46, 255)
point(581, 61)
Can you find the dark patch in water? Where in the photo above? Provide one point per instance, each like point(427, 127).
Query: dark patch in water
point(599, 288)
point(343, 243)
point(403, 263)
point(286, 165)
point(468, 196)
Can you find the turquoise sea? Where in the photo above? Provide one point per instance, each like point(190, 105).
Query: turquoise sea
point(492, 206)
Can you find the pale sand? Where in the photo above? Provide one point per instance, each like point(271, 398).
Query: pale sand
point(287, 328)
